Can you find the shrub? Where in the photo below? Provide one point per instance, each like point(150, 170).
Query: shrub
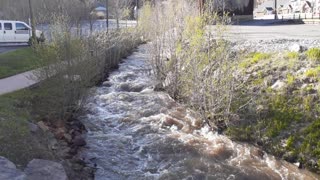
point(290, 142)
point(71, 65)
point(260, 56)
point(292, 55)
point(290, 79)
point(311, 139)
point(312, 73)
point(313, 54)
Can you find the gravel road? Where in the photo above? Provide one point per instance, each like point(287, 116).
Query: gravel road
point(273, 38)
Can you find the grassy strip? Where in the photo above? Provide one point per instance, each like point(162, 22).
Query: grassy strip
point(16, 62)
point(17, 143)
point(284, 120)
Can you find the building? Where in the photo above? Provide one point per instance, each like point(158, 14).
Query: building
point(289, 6)
point(304, 6)
point(240, 8)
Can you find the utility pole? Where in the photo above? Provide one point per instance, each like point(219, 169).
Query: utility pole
point(275, 10)
point(137, 11)
point(223, 6)
point(107, 14)
point(33, 23)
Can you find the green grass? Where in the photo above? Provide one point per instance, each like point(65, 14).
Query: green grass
point(313, 54)
point(292, 55)
point(311, 143)
point(254, 58)
point(16, 62)
point(313, 72)
point(17, 143)
point(290, 79)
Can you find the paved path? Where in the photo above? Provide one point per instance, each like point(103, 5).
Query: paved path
point(17, 82)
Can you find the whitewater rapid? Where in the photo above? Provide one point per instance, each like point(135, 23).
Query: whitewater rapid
point(136, 133)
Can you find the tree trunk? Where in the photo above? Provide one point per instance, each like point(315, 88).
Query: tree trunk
point(33, 23)
point(107, 15)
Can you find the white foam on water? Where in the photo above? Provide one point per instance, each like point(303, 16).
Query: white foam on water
point(131, 137)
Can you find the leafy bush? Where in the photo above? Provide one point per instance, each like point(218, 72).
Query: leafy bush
point(71, 65)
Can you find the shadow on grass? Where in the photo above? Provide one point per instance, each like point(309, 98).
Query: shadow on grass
point(17, 142)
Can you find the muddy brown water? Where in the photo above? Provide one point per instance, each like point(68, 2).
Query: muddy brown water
point(136, 133)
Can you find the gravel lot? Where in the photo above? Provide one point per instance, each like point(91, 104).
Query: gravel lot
point(273, 38)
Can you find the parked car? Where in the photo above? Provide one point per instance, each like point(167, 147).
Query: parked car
point(17, 32)
point(269, 11)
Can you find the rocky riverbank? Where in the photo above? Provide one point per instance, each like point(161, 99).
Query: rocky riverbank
point(65, 142)
point(37, 169)
point(282, 114)
point(264, 92)
point(68, 143)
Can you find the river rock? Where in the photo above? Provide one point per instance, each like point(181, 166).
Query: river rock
point(33, 127)
point(59, 133)
point(158, 87)
point(290, 157)
point(257, 153)
point(106, 84)
point(79, 141)
point(38, 169)
point(72, 78)
point(67, 137)
point(278, 85)
point(168, 121)
point(42, 126)
point(9, 171)
point(298, 164)
point(76, 125)
point(53, 144)
point(295, 48)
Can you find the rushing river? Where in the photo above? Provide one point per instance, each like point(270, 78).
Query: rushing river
point(136, 133)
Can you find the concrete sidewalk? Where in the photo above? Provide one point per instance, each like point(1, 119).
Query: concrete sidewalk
point(17, 82)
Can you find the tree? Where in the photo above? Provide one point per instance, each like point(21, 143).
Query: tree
point(33, 23)
point(121, 9)
point(275, 10)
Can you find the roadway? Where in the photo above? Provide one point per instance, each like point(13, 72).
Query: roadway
point(4, 48)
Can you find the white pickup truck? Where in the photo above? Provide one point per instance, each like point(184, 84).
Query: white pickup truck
point(16, 32)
